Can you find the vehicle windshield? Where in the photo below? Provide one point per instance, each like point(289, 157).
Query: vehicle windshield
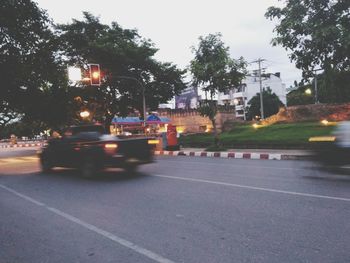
point(84, 129)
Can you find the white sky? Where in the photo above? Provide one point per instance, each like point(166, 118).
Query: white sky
point(175, 26)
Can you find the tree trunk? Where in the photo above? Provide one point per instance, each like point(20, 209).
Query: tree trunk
point(108, 121)
point(216, 136)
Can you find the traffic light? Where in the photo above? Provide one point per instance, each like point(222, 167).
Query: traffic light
point(95, 74)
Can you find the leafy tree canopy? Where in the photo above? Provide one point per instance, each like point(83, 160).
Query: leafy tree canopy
point(214, 71)
point(271, 104)
point(212, 68)
point(31, 73)
point(127, 65)
point(301, 94)
point(316, 31)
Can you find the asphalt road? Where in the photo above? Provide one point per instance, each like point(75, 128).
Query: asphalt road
point(179, 209)
point(13, 152)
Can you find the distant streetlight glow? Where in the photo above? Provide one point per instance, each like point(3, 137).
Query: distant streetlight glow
point(84, 114)
point(74, 74)
point(308, 91)
point(325, 122)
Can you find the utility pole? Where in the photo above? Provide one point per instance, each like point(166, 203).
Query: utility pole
point(259, 61)
point(261, 91)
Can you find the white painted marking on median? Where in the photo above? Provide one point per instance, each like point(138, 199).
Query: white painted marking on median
point(224, 154)
point(210, 154)
point(274, 156)
point(238, 155)
point(255, 188)
point(255, 156)
point(149, 254)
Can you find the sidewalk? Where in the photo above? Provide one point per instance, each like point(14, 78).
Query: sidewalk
point(264, 154)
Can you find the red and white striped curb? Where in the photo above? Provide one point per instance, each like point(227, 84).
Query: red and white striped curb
point(20, 145)
point(234, 155)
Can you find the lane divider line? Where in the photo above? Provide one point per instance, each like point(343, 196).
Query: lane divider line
point(140, 250)
point(255, 188)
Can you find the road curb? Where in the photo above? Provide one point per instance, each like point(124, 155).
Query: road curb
point(21, 145)
point(235, 155)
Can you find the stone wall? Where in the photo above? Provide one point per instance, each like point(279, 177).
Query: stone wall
point(313, 112)
point(189, 121)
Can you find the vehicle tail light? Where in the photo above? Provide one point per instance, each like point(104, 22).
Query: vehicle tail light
point(153, 141)
point(110, 148)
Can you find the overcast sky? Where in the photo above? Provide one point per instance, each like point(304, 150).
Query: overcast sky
point(175, 26)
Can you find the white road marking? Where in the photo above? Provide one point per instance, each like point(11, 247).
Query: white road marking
point(147, 253)
point(232, 164)
point(255, 188)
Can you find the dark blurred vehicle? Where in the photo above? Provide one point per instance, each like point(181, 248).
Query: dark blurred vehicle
point(90, 150)
point(333, 150)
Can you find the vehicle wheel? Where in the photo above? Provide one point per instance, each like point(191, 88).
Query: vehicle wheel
point(89, 168)
point(46, 165)
point(131, 169)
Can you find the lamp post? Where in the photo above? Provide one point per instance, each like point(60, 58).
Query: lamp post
point(308, 91)
point(143, 95)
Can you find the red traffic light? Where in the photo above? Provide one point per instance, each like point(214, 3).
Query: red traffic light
point(95, 74)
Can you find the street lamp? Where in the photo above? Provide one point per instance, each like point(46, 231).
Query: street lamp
point(308, 91)
point(84, 114)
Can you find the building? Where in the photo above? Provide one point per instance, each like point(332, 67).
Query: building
point(240, 96)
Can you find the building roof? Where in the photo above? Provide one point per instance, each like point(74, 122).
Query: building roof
point(152, 119)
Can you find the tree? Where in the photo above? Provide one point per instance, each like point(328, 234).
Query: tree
point(127, 66)
point(22, 128)
point(300, 94)
point(317, 32)
point(300, 97)
point(271, 102)
point(31, 73)
point(214, 71)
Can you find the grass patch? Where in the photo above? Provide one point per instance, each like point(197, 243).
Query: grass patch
point(214, 148)
point(290, 135)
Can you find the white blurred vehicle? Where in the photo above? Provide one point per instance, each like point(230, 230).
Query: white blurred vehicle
point(335, 150)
